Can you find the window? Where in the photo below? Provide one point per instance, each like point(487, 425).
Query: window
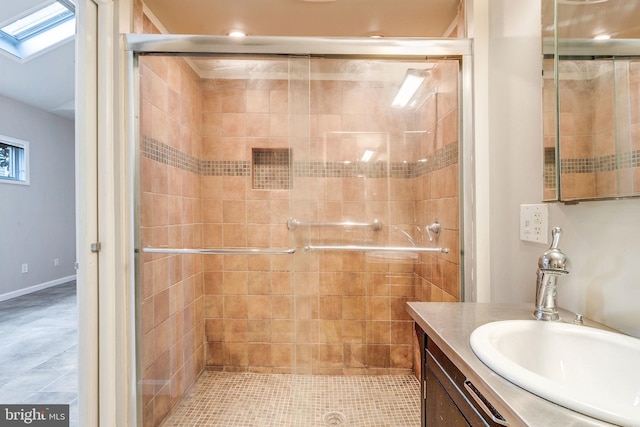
point(14, 161)
point(37, 31)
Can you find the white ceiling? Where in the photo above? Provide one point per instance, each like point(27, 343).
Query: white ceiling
point(47, 81)
point(354, 18)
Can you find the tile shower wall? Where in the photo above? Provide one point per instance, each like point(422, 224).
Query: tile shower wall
point(353, 319)
point(437, 189)
point(332, 312)
point(616, 122)
point(576, 120)
point(593, 165)
point(249, 302)
point(549, 135)
point(171, 294)
point(318, 313)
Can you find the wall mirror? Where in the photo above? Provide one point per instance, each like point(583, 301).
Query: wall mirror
point(591, 99)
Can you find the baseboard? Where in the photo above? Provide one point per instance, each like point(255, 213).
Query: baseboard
point(35, 288)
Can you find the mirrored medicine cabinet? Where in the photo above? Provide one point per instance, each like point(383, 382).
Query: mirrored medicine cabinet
point(591, 99)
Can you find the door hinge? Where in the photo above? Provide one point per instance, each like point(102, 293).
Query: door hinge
point(95, 247)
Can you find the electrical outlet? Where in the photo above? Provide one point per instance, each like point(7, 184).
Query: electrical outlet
point(25, 268)
point(534, 223)
point(56, 262)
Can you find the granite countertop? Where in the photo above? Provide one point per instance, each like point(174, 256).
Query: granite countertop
point(449, 325)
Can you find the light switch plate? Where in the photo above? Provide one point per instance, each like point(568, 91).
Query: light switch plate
point(534, 223)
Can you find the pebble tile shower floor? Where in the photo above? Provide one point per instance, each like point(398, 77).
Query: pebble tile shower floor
point(278, 400)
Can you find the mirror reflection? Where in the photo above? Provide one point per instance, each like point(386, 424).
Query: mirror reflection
point(591, 99)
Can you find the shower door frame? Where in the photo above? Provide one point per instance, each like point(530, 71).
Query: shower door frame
point(347, 47)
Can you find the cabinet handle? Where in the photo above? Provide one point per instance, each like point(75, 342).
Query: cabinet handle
point(486, 406)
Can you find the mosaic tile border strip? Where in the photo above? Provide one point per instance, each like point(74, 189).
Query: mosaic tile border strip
point(170, 156)
point(629, 159)
point(225, 168)
point(442, 158)
point(352, 169)
point(275, 400)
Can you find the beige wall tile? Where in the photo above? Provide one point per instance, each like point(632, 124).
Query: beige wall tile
point(259, 330)
point(282, 306)
point(234, 125)
point(249, 302)
point(233, 100)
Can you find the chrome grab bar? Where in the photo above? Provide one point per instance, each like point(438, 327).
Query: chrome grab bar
point(223, 251)
point(309, 248)
point(375, 225)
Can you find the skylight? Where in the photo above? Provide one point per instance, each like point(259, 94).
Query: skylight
point(30, 34)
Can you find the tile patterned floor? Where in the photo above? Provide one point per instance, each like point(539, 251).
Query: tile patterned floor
point(39, 348)
point(272, 400)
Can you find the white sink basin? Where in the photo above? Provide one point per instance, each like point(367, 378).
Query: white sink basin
point(588, 370)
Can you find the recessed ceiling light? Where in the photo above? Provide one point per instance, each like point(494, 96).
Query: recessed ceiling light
point(236, 34)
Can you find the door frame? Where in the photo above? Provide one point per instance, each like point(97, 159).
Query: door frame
point(86, 210)
point(106, 376)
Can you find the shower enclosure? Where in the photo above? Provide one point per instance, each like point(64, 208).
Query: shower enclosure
point(289, 203)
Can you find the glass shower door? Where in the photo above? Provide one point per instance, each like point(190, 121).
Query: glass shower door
point(241, 156)
point(369, 173)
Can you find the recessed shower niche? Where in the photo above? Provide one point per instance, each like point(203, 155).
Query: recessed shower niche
point(271, 168)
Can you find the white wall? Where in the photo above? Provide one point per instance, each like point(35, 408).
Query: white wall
point(37, 221)
point(602, 239)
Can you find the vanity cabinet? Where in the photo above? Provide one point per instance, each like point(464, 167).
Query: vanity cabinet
point(448, 398)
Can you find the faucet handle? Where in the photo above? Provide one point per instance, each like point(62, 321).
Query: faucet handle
point(556, 233)
point(554, 259)
point(435, 227)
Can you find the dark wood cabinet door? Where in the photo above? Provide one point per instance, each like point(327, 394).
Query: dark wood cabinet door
point(439, 408)
point(446, 402)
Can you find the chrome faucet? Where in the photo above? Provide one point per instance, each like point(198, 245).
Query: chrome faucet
point(551, 265)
